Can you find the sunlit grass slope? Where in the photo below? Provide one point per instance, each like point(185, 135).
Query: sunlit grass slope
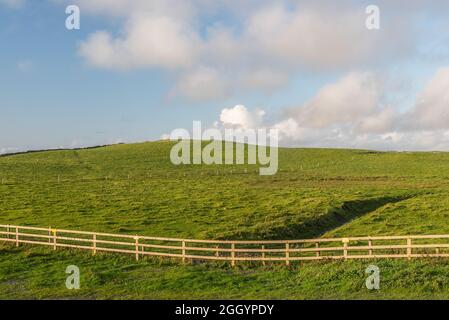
point(135, 189)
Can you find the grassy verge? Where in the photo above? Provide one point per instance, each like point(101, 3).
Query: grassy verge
point(36, 273)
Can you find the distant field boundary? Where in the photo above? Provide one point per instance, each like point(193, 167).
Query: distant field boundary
point(284, 251)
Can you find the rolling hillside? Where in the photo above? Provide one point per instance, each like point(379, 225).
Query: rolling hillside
point(135, 189)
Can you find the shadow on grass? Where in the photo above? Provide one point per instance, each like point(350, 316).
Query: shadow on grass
point(333, 218)
point(350, 210)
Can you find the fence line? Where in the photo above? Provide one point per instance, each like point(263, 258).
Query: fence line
point(285, 251)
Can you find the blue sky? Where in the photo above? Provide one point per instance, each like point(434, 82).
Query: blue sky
point(138, 69)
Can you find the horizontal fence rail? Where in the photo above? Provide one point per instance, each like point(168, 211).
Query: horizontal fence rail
point(263, 251)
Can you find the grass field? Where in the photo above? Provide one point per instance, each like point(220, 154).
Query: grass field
point(135, 189)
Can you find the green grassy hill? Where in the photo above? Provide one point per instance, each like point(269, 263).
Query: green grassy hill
point(135, 189)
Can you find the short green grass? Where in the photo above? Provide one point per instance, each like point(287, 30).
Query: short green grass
point(38, 273)
point(135, 189)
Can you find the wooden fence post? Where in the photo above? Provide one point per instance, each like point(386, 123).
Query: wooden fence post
point(287, 254)
point(345, 248)
point(263, 255)
point(94, 244)
point(370, 245)
point(233, 254)
point(54, 239)
point(409, 248)
point(183, 251)
point(137, 247)
point(17, 236)
point(317, 246)
point(7, 230)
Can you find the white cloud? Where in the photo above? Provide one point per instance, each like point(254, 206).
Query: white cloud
point(351, 113)
point(431, 111)
point(314, 36)
point(264, 79)
point(380, 122)
point(165, 136)
point(261, 46)
point(148, 41)
point(240, 118)
point(126, 8)
point(289, 130)
point(202, 84)
point(354, 100)
point(271, 43)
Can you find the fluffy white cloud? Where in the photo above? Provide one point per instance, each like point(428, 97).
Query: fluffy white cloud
point(351, 113)
point(125, 8)
point(380, 122)
point(240, 118)
point(261, 45)
point(264, 79)
point(355, 100)
point(148, 41)
point(431, 111)
point(318, 35)
point(272, 43)
point(202, 84)
point(289, 130)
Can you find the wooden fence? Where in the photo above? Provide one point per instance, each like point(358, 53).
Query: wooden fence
point(261, 251)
